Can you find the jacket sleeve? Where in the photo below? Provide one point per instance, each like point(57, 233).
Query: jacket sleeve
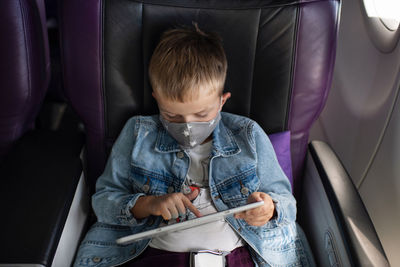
point(273, 180)
point(114, 195)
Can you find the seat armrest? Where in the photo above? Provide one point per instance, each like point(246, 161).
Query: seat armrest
point(333, 215)
point(39, 178)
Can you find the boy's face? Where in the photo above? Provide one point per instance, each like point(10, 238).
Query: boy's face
point(204, 108)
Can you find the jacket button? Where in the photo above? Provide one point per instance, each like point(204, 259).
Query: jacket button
point(96, 259)
point(171, 190)
point(180, 154)
point(133, 251)
point(146, 188)
point(244, 190)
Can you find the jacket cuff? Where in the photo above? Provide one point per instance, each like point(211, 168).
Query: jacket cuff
point(127, 217)
point(280, 206)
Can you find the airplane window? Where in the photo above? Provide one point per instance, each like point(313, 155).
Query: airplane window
point(382, 18)
point(388, 11)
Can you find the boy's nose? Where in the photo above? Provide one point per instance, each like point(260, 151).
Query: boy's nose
point(184, 119)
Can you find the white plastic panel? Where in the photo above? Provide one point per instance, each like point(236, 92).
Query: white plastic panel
point(75, 224)
point(363, 90)
point(318, 221)
point(381, 190)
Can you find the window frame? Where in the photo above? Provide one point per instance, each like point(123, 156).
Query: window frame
point(383, 37)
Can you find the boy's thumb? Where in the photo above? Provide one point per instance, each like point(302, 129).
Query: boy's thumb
point(192, 195)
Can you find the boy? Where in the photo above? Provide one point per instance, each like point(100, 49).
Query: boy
point(191, 160)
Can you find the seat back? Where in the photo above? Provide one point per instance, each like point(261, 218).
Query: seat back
point(24, 67)
point(280, 61)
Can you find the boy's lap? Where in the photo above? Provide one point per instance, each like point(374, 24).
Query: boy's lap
point(240, 257)
point(156, 257)
point(99, 249)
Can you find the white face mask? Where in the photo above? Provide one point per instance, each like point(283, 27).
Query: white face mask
point(190, 134)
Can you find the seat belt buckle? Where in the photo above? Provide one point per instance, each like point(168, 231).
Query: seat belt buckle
point(207, 258)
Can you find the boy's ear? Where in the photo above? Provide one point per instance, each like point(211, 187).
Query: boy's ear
point(154, 94)
point(225, 97)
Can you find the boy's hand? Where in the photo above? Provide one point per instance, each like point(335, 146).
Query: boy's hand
point(261, 215)
point(169, 206)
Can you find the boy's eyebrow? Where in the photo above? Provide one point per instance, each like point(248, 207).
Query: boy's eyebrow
point(201, 111)
point(165, 111)
point(206, 109)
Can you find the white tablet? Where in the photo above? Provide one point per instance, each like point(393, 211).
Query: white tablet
point(186, 224)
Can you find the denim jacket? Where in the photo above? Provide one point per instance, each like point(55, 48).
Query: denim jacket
point(146, 160)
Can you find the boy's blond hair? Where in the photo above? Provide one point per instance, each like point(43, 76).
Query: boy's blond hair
point(186, 61)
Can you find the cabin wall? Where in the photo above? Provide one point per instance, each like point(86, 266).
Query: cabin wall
point(361, 120)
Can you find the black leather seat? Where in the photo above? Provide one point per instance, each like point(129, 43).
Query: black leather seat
point(39, 168)
point(24, 68)
point(279, 70)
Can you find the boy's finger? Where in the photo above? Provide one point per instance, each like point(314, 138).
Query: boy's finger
point(244, 215)
point(181, 208)
point(239, 215)
point(174, 212)
point(191, 207)
point(250, 214)
point(253, 197)
point(192, 195)
point(166, 214)
point(256, 223)
point(256, 212)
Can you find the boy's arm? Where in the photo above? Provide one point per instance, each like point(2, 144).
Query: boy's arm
point(114, 195)
point(273, 180)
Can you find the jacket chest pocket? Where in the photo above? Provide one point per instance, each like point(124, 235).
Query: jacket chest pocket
point(235, 190)
point(150, 182)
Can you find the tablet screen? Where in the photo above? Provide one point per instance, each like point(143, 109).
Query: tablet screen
point(186, 224)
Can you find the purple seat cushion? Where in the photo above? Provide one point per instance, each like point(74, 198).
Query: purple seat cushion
point(281, 143)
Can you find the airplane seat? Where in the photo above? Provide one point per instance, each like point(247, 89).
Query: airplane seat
point(280, 62)
point(24, 68)
point(39, 168)
point(274, 73)
point(56, 92)
point(55, 112)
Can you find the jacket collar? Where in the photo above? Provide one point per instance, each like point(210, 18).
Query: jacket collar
point(224, 143)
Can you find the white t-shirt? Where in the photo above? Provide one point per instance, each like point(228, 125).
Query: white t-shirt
point(214, 236)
